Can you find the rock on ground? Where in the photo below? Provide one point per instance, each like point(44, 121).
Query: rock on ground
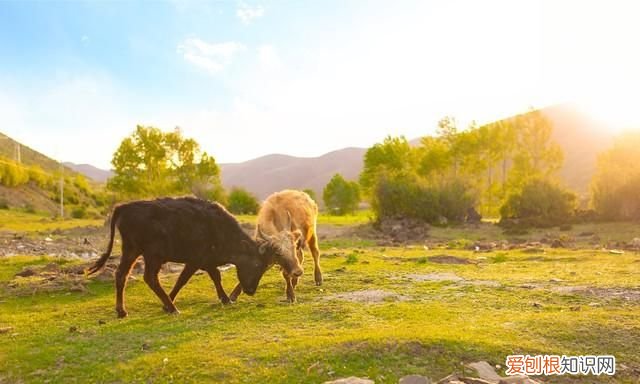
point(414, 379)
point(350, 380)
point(485, 371)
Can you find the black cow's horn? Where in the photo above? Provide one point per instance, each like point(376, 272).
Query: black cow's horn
point(261, 234)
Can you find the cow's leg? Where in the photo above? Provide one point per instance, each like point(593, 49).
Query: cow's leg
point(291, 295)
point(151, 270)
point(129, 257)
point(214, 274)
point(185, 275)
point(235, 293)
point(315, 251)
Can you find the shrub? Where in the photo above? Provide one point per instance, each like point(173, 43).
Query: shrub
point(406, 196)
point(29, 208)
point(539, 204)
point(241, 202)
point(12, 175)
point(4, 204)
point(79, 212)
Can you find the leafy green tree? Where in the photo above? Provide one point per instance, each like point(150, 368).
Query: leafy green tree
point(615, 189)
point(242, 202)
point(152, 163)
point(341, 196)
point(394, 156)
point(536, 156)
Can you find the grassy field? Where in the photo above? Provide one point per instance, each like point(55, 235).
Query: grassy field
point(426, 318)
point(359, 217)
point(19, 221)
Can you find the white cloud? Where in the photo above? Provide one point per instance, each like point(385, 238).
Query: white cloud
point(248, 14)
point(84, 39)
point(211, 57)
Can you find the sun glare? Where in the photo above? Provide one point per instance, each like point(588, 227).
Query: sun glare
point(613, 114)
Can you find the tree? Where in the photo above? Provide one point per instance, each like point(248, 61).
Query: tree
point(615, 189)
point(152, 163)
point(341, 196)
point(536, 156)
point(242, 202)
point(393, 156)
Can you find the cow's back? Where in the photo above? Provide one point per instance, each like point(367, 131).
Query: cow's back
point(179, 228)
point(272, 216)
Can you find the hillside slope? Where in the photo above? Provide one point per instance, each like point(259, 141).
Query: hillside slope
point(271, 173)
point(579, 136)
point(28, 156)
point(94, 173)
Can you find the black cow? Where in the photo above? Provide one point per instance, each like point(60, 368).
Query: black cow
point(187, 230)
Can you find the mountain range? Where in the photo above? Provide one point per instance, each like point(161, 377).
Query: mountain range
point(580, 137)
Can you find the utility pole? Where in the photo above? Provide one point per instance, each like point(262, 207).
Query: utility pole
point(61, 191)
point(18, 154)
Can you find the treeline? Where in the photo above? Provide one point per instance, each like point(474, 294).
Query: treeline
point(505, 169)
point(459, 175)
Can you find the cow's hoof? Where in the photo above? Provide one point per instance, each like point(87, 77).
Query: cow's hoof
point(318, 278)
point(226, 301)
point(171, 311)
point(121, 313)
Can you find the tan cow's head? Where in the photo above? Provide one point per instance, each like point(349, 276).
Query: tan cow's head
point(284, 246)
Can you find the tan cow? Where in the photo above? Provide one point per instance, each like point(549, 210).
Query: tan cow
point(288, 218)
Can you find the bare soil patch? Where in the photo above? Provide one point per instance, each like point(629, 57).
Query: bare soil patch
point(368, 296)
point(615, 293)
point(447, 259)
point(77, 243)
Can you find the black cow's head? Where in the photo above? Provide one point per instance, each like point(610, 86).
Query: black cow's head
point(250, 266)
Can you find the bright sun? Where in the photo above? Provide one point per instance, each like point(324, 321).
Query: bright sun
point(615, 113)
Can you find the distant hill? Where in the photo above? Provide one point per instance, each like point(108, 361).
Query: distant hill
point(28, 156)
point(94, 173)
point(30, 195)
point(271, 173)
point(580, 137)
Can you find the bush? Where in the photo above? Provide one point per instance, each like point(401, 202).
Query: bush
point(29, 208)
point(241, 202)
point(406, 196)
point(12, 175)
point(79, 212)
point(4, 204)
point(341, 196)
point(539, 204)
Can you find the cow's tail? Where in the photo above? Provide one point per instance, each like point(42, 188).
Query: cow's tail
point(105, 256)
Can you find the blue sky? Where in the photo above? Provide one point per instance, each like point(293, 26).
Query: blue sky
point(299, 77)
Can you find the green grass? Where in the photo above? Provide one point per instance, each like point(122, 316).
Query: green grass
point(359, 217)
point(75, 337)
point(19, 221)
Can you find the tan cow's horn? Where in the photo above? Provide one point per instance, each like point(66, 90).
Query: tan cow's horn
point(290, 223)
